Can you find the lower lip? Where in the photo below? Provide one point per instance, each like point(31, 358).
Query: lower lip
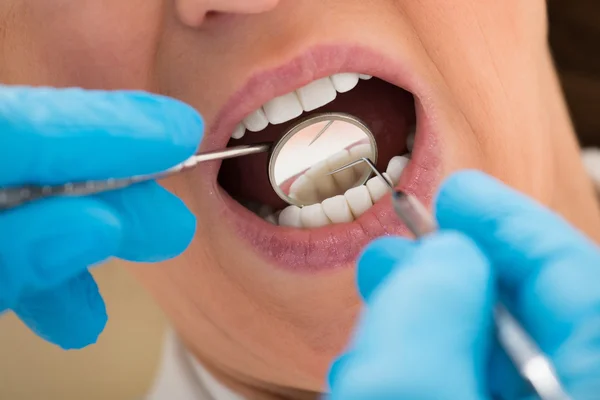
point(337, 246)
point(333, 246)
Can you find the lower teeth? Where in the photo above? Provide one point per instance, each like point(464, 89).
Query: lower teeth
point(338, 209)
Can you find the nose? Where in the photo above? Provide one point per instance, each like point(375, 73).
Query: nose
point(193, 12)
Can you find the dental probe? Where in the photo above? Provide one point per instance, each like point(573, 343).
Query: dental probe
point(533, 365)
point(11, 197)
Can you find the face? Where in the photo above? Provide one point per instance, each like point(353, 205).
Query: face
point(268, 305)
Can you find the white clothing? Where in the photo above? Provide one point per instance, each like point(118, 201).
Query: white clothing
point(181, 377)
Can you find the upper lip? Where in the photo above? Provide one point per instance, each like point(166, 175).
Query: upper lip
point(316, 63)
point(292, 248)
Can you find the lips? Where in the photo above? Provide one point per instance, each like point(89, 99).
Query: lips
point(331, 246)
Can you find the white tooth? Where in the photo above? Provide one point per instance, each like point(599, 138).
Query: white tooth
point(290, 216)
point(325, 184)
point(365, 77)
point(359, 200)
point(304, 190)
point(283, 108)
point(395, 168)
point(252, 206)
point(337, 210)
point(316, 94)
point(358, 152)
point(344, 82)
point(239, 132)
point(377, 187)
point(346, 178)
point(410, 140)
point(271, 219)
point(313, 216)
point(264, 211)
point(257, 121)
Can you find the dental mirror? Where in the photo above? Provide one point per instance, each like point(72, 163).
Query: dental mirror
point(301, 162)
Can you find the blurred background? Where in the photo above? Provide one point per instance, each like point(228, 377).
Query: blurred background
point(123, 363)
point(575, 39)
point(121, 366)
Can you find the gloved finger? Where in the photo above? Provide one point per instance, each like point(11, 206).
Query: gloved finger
point(45, 243)
point(549, 268)
point(51, 136)
point(579, 360)
point(337, 368)
point(378, 261)
point(505, 382)
point(156, 224)
point(72, 315)
point(425, 334)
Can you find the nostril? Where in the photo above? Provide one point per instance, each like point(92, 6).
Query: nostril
point(194, 12)
point(191, 13)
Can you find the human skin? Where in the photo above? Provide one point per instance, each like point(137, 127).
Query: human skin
point(485, 78)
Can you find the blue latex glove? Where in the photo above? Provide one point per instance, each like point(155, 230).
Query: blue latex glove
point(50, 136)
point(428, 331)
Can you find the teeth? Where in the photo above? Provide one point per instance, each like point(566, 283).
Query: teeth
point(345, 179)
point(325, 184)
point(304, 190)
point(377, 188)
point(257, 121)
point(410, 140)
point(290, 216)
point(359, 200)
point(282, 109)
point(337, 210)
point(315, 185)
point(272, 219)
point(265, 211)
point(309, 98)
point(344, 82)
point(239, 132)
point(333, 210)
point(358, 152)
point(313, 216)
point(316, 94)
point(396, 167)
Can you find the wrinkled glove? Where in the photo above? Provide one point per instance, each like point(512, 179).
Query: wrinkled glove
point(428, 332)
point(50, 136)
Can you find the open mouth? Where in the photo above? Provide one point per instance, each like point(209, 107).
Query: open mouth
point(385, 108)
point(331, 231)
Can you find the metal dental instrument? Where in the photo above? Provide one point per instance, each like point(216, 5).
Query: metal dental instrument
point(291, 143)
point(321, 132)
point(13, 197)
point(533, 365)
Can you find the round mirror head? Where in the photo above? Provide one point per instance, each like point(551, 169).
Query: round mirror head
point(301, 162)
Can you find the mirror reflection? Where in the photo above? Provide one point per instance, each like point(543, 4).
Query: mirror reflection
point(305, 156)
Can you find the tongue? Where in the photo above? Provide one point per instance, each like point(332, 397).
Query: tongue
point(386, 109)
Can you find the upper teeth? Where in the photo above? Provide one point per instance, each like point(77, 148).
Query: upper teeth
point(289, 106)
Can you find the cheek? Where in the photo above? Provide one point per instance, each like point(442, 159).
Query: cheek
point(109, 44)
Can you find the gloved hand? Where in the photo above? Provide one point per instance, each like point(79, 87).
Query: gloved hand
point(50, 136)
point(428, 331)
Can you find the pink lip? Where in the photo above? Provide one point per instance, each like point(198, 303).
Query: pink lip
point(333, 246)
